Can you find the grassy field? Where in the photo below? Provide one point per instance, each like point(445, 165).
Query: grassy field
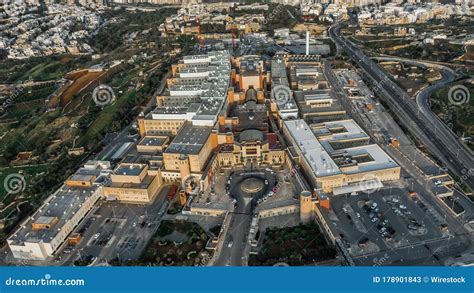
point(40, 68)
point(459, 117)
point(28, 172)
point(105, 118)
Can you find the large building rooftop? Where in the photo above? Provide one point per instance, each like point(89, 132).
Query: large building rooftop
point(153, 141)
point(366, 158)
point(61, 207)
point(129, 169)
point(190, 139)
point(312, 150)
point(280, 85)
point(324, 161)
point(198, 91)
point(333, 132)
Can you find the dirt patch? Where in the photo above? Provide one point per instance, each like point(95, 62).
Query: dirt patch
point(77, 82)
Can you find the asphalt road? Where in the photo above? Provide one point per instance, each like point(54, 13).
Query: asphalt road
point(408, 160)
point(431, 132)
point(121, 234)
point(232, 252)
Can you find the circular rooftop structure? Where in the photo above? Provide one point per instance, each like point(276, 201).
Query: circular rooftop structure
point(252, 185)
point(251, 135)
point(251, 95)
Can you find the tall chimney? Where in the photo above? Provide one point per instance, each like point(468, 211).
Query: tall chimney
point(307, 43)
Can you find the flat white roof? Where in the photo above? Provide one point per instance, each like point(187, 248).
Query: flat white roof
point(380, 159)
point(315, 155)
point(351, 130)
point(321, 159)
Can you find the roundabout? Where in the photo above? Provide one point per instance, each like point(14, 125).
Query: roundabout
point(252, 185)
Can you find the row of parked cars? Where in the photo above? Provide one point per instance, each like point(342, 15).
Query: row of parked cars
point(375, 216)
point(265, 197)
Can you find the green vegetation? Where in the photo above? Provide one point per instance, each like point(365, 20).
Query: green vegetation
point(28, 172)
point(30, 125)
point(112, 36)
point(41, 180)
point(299, 245)
point(176, 244)
point(40, 68)
point(459, 117)
point(281, 16)
point(383, 41)
point(174, 208)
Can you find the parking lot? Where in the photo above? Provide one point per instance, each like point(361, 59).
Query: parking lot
point(117, 231)
point(387, 219)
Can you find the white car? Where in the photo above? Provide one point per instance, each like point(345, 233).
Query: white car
point(96, 235)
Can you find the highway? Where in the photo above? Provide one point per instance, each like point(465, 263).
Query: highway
point(431, 132)
point(423, 96)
